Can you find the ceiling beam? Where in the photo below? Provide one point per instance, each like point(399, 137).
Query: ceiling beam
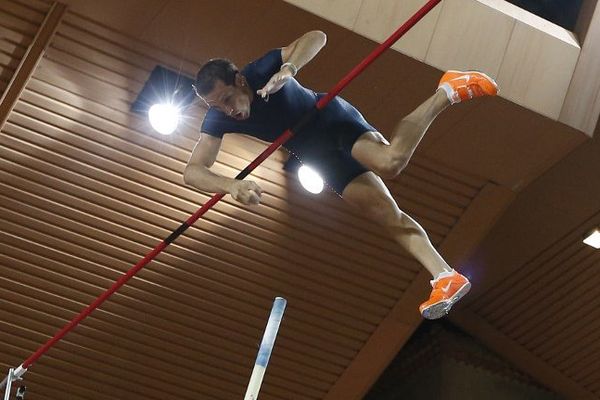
point(397, 327)
point(476, 326)
point(30, 60)
point(582, 102)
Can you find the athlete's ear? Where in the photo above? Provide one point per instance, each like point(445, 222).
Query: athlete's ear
point(240, 80)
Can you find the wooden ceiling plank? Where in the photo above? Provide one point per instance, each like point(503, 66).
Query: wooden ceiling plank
point(23, 105)
point(108, 260)
point(112, 371)
point(556, 314)
point(573, 311)
point(489, 297)
point(338, 320)
point(101, 334)
point(492, 303)
point(551, 289)
point(163, 344)
point(279, 240)
point(225, 319)
point(55, 159)
point(24, 12)
point(192, 231)
point(431, 227)
point(65, 62)
point(97, 36)
point(519, 356)
point(587, 368)
point(326, 340)
point(8, 69)
point(106, 154)
point(105, 58)
point(13, 52)
point(595, 385)
point(39, 5)
point(30, 60)
point(19, 26)
point(454, 203)
point(83, 131)
point(87, 87)
point(15, 38)
point(115, 371)
point(148, 241)
point(403, 319)
point(450, 179)
point(189, 245)
point(561, 346)
point(109, 238)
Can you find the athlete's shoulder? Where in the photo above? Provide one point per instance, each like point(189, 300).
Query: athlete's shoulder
point(259, 71)
point(214, 123)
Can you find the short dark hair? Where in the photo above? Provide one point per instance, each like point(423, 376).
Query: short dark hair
point(215, 69)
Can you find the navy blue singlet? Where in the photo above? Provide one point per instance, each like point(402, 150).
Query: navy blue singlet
point(324, 144)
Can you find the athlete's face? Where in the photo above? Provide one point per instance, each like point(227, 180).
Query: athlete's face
point(234, 100)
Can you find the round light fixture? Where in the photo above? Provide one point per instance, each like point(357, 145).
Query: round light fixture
point(164, 118)
point(310, 179)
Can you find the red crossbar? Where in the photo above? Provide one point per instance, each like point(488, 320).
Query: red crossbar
point(216, 198)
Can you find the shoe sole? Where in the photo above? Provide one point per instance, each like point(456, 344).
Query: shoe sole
point(478, 72)
point(438, 310)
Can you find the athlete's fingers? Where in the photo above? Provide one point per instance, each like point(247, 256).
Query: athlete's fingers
point(253, 198)
point(275, 83)
point(254, 187)
point(249, 198)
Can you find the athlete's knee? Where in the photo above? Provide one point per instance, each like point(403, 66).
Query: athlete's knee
point(391, 165)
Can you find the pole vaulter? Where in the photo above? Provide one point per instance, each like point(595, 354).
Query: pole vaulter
point(17, 373)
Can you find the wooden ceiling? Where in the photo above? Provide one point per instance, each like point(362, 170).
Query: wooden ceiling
point(88, 189)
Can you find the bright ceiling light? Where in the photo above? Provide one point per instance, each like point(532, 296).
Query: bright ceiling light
point(164, 118)
point(593, 239)
point(310, 179)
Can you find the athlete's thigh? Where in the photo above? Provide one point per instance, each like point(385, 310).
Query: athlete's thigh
point(368, 148)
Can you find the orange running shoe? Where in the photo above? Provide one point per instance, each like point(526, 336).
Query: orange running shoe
point(460, 86)
point(448, 288)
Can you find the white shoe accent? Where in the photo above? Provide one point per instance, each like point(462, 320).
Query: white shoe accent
point(447, 288)
point(445, 274)
point(452, 95)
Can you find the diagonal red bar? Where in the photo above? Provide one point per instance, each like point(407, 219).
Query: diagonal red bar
point(216, 198)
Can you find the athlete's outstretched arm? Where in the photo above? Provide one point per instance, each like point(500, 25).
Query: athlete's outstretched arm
point(197, 173)
point(294, 56)
point(303, 49)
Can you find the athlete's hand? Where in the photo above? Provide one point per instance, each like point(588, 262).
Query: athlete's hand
point(275, 83)
point(246, 192)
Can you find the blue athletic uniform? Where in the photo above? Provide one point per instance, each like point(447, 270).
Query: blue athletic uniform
point(324, 144)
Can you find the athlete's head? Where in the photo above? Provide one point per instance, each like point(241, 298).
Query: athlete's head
point(220, 85)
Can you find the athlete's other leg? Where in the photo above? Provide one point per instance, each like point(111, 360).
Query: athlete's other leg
point(368, 193)
point(387, 159)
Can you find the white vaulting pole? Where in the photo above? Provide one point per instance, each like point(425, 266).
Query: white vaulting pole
point(8, 383)
point(266, 347)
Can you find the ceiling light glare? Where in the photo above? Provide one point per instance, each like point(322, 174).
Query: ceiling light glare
point(593, 239)
point(310, 179)
point(164, 118)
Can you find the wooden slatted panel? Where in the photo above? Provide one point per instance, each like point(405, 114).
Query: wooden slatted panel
point(87, 189)
point(542, 305)
point(18, 25)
